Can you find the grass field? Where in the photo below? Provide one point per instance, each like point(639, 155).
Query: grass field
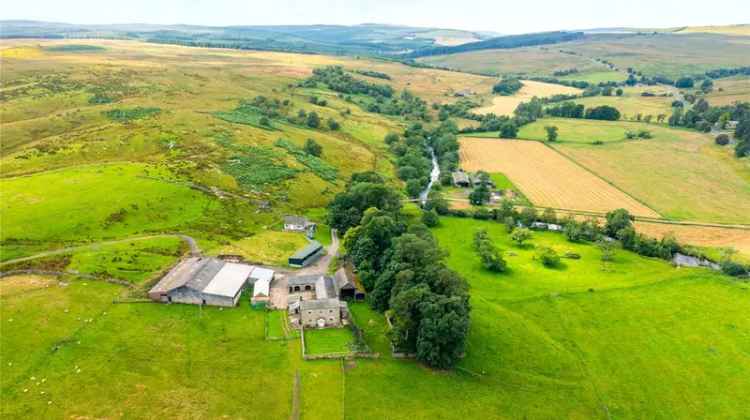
point(545, 177)
point(531, 61)
point(80, 203)
point(671, 55)
point(678, 173)
point(582, 131)
point(596, 77)
point(631, 104)
point(329, 340)
point(505, 105)
point(267, 247)
point(540, 347)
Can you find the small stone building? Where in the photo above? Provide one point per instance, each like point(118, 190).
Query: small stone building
point(314, 302)
point(460, 179)
point(299, 224)
point(347, 289)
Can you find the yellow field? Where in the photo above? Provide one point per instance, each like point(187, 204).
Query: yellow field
point(505, 105)
point(704, 236)
point(730, 90)
point(547, 178)
point(742, 30)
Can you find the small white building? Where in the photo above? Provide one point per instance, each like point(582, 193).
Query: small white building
point(261, 278)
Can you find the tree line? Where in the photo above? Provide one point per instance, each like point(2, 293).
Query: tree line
point(403, 270)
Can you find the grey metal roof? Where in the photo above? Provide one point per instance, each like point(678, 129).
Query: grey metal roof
point(203, 277)
point(460, 177)
point(179, 275)
point(342, 279)
point(295, 220)
point(309, 249)
point(320, 304)
point(303, 280)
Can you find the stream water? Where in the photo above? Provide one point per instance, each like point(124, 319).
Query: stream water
point(434, 176)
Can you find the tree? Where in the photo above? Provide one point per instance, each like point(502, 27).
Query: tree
point(413, 187)
point(430, 218)
point(551, 133)
point(479, 195)
point(507, 87)
point(707, 85)
point(684, 82)
point(603, 112)
point(508, 130)
point(617, 220)
point(520, 235)
point(264, 121)
point(346, 208)
point(722, 139)
point(333, 124)
point(619, 92)
point(548, 257)
point(313, 148)
point(313, 121)
point(443, 330)
point(608, 252)
point(492, 258)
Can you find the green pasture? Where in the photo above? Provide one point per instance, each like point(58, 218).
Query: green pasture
point(328, 340)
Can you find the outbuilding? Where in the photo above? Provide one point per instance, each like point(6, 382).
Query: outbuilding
point(306, 255)
point(461, 179)
point(202, 281)
point(261, 279)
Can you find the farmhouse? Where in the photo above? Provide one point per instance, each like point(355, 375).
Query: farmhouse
point(547, 226)
point(476, 181)
point(202, 281)
point(299, 224)
point(314, 301)
point(460, 179)
point(306, 255)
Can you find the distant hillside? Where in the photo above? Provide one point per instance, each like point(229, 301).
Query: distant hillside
point(502, 42)
point(366, 39)
point(742, 29)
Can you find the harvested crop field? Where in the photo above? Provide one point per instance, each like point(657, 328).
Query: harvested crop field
point(546, 177)
point(681, 174)
point(704, 236)
point(505, 105)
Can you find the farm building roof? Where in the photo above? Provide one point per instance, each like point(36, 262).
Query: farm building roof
point(309, 249)
point(303, 279)
point(207, 275)
point(460, 177)
point(179, 275)
point(342, 279)
point(260, 273)
point(331, 303)
point(228, 280)
point(295, 220)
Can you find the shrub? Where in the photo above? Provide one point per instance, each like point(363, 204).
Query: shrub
point(722, 139)
point(520, 235)
point(548, 257)
point(430, 218)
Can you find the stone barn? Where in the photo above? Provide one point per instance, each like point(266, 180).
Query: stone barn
point(314, 301)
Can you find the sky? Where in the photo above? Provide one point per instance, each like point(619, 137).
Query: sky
point(508, 17)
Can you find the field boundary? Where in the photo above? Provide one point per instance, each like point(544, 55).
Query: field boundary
point(612, 184)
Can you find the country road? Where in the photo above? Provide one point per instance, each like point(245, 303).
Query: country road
point(190, 241)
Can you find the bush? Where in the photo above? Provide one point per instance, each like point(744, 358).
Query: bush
point(722, 139)
point(430, 218)
point(520, 235)
point(507, 87)
point(604, 112)
point(732, 268)
point(333, 124)
point(548, 257)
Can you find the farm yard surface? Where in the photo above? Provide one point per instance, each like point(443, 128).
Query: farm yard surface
point(545, 177)
point(505, 105)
